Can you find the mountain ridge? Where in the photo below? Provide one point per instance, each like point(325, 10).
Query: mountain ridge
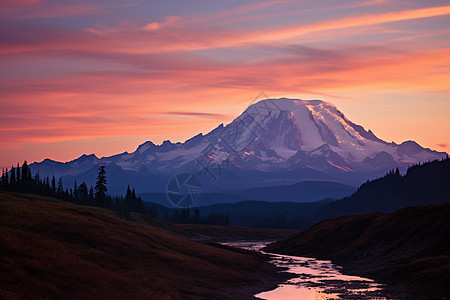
point(309, 139)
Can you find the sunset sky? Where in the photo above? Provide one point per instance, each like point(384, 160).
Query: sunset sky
point(102, 77)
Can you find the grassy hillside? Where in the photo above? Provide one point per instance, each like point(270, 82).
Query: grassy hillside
point(52, 249)
point(228, 233)
point(407, 249)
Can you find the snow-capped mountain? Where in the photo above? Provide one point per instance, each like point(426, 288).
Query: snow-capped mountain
point(274, 141)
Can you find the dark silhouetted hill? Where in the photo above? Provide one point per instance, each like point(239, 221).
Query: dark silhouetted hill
point(407, 249)
point(300, 192)
point(304, 191)
point(424, 184)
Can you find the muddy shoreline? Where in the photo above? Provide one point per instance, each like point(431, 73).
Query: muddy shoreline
point(269, 276)
point(397, 284)
point(265, 278)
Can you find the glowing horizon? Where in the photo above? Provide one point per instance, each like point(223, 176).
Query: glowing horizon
point(105, 76)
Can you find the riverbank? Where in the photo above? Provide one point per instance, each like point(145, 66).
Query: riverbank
point(406, 250)
point(314, 279)
point(407, 278)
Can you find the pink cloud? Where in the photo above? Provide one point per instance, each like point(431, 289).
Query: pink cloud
point(60, 108)
point(177, 38)
point(140, 78)
point(199, 114)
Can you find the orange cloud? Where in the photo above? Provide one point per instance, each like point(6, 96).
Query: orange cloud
point(61, 108)
point(146, 78)
point(152, 26)
point(348, 22)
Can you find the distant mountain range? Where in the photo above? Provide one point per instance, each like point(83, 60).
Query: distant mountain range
point(424, 184)
point(274, 142)
point(301, 192)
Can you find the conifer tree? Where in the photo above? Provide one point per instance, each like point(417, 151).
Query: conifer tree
point(53, 185)
point(47, 185)
point(196, 216)
point(12, 180)
point(100, 187)
point(18, 174)
point(91, 196)
point(83, 193)
point(6, 180)
point(75, 192)
point(26, 173)
point(37, 181)
point(2, 185)
point(60, 190)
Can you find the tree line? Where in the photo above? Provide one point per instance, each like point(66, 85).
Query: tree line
point(20, 180)
point(422, 184)
point(192, 216)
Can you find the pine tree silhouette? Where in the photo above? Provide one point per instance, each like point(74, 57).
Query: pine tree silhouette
point(12, 180)
point(26, 178)
point(18, 174)
point(60, 190)
point(100, 187)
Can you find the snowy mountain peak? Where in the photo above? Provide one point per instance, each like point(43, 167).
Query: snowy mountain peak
point(288, 104)
point(288, 125)
point(85, 158)
point(309, 139)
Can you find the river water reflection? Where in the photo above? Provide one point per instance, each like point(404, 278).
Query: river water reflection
point(317, 279)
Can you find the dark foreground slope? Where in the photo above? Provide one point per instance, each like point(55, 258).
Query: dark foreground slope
point(55, 250)
point(407, 249)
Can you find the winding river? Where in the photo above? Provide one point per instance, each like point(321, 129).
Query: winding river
point(315, 279)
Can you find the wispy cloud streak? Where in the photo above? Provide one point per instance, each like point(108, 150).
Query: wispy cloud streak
point(85, 69)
